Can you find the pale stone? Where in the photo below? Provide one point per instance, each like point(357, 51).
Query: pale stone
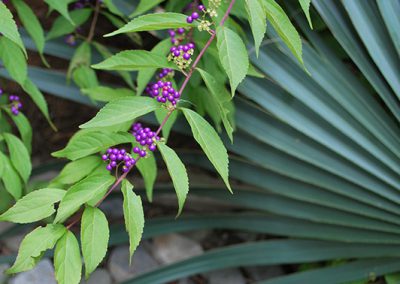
point(43, 273)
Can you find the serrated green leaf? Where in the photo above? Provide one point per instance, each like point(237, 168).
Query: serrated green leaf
point(94, 238)
point(81, 193)
point(85, 77)
point(14, 60)
point(221, 99)
point(82, 56)
point(233, 56)
point(61, 6)
point(77, 170)
point(133, 60)
point(133, 215)
point(144, 6)
point(152, 22)
point(121, 110)
point(10, 177)
point(34, 206)
point(19, 156)
point(257, 20)
point(67, 260)
point(281, 23)
point(144, 75)
point(85, 143)
point(210, 142)
point(148, 169)
point(305, 5)
point(62, 26)
point(160, 115)
point(8, 27)
point(34, 245)
point(106, 94)
point(31, 24)
point(178, 173)
point(24, 128)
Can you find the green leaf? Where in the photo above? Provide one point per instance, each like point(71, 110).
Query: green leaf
point(144, 6)
point(81, 193)
point(121, 110)
point(178, 173)
point(152, 22)
point(62, 7)
point(34, 206)
point(305, 5)
point(82, 56)
point(11, 179)
point(85, 77)
point(14, 60)
point(134, 216)
point(281, 23)
point(160, 116)
point(8, 27)
point(233, 56)
point(85, 143)
point(77, 170)
point(221, 99)
point(94, 237)
point(106, 94)
point(31, 24)
point(133, 60)
point(34, 245)
point(112, 8)
point(392, 278)
point(148, 169)
point(210, 142)
point(67, 260)
point(38, 98)
point(24, 128)
point(62, 26)
point(144, 75)
point(19, 155)
point(255, 72)
point(258, 21)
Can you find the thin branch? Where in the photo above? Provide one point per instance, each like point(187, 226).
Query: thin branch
point(94, 21)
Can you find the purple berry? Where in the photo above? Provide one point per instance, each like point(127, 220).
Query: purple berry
point(189, 20)
point(195, 15)
point(181, 31)
point(177, 53)
point(186, 56)
point(109, 168)
point(104, 157)
point(201, 7)
point(142, 153)
point(136, 150)
point(152, 147)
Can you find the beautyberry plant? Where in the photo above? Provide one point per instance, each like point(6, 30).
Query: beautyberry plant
point(203, 49)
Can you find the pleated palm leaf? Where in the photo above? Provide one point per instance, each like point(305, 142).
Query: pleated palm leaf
point(321, 148)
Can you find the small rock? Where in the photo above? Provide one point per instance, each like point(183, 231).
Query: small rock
point(186, 281)
point(231, 276)
point(118, 264)
point(259, 273)
point(197, 236)
point(43, 273)
point(4, 226)
point(14, 242)
point(100, 276)
point(171, 248)
point(3, 275)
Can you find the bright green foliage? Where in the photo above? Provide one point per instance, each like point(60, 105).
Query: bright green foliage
point(144, 6)
point(148, 169)
point(233, 56)
point(133, 60)
point(112, 8)
point(11, 180)
point(62, 26)
point(61, 6)
point(220, 98)
point(121, 110)
point(106, 94)
point(24, 128)
point(151, 22)
point(34, 206)
point(19, 156)
point(9, 28)
point(258, 21)
point(85, 77)
point(82, 56)
point(85, 143)
point(178, 174)
point(134, 216)
point(210, 142)
point(34, 245)
point(94, 237)
point(67, 260)
point(281, 23)
point(14, 60)
point(305, 5)
point(81, 193)
point(160, 116)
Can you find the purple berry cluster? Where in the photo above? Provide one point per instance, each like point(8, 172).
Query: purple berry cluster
point(163, 92)
point(165, 72)
point(117, 157)
point(176, 35)
point(16, 105)
point(145, 137)
point(184, 50)
point(194, 16)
